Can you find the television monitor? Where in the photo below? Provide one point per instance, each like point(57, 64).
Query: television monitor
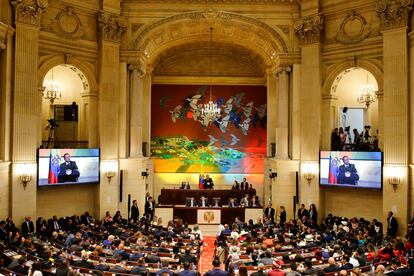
point(357, 169)
point(67, 166)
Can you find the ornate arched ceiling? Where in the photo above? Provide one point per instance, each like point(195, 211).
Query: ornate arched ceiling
point(195, 58)
point(192, 27)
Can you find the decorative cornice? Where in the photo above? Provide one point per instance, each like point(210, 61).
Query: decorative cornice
point(309, 29)
point(220, 1)
point(29, 12)
point(394, 13)
point(212, 14)
point(111, 27)
point(67, 24)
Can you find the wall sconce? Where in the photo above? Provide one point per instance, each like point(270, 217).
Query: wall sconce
point(24, 173)
point(394, 177)
point(272, 175)
point(109, 168)
point(308, 170)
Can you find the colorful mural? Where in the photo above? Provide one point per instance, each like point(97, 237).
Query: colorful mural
point(185, 140)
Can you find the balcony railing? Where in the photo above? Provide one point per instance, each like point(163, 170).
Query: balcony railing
point(64, 144)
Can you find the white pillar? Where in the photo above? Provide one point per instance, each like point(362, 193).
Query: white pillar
point(282, 130)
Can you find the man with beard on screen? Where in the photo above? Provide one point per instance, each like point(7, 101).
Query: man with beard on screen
point(69, 171)
point(348, 174)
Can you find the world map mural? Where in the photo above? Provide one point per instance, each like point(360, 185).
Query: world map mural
point(183, 139)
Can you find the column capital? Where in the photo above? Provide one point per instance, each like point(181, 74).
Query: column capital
point(393, 14)
point(3, 45)
point(29, 12)
point(139, 67)
point(309, 29)
point(111, 26)
point(282, 69)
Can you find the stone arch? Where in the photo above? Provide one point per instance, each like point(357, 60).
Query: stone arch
point(48, 64)
point(337, 69)
point(195, 26)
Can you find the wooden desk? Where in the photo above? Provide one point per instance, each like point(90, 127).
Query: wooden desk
point(189, 214)
point(178, 196)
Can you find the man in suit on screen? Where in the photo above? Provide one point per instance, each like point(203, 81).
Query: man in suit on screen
point(348, 174)
point(69, 171)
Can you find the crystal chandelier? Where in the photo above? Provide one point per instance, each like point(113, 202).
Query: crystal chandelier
point(366, 93)
point(211, 109)
point(53, 90)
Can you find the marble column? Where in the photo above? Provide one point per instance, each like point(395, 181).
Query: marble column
point(26, 118)
point(295, 113)
point(90, 120)
point(282, 130)
point(271, 110)
point(137, 73)
point(329, 115)
point(309, 30)
point(110, 27)
point(396, 101)
point(123, 110)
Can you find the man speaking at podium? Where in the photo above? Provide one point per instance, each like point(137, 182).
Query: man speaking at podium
point(208, 182)
point(69, 171)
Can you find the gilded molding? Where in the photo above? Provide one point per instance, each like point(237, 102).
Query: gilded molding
point(394, 13)
point(29, 12)
point(220, 1)
point(111, 27)
point(211, 14)
point(309, 29)
point(67, 24)
point(347, 35)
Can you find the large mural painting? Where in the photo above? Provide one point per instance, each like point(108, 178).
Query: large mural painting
point(185, 140)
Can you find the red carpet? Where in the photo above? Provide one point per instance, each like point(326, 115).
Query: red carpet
point(207, 255)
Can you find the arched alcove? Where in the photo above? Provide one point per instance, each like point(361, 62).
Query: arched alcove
point(350, 112)
point(67, 110)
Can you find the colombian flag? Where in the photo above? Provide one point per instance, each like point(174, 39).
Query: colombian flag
point(333, 170)
point(200, 182)
point(53, 168)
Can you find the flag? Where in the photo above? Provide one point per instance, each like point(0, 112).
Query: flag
point(200, 182)
point(53, 168)
point(333, 170)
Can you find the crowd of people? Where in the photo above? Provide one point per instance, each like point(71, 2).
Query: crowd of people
point(69, 245)
point(246, 201)
point(304, 247)
point(343, 140)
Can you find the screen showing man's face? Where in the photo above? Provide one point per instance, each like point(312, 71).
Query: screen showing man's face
point(346, 160)
point(66, 157)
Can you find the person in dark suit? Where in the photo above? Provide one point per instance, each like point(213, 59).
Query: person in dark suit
point(69, 171)
point(27, 227)
point(140, 268)
point(232, 203)
point(313, 214)
point(208, 182)
point(347, 174)
point(164, 269)
point(84, 262)
point(333, 267)
point(86, 219)
point(187, 271)
point(102, 266)
point(150, 207)
point(135, 211)
point(190, 202)
point(302, 212)
point(282, 216)
point(203, 202)
point(270, 212)
point(392, 227)
point(254, 202)
point(345, 263)
point(244, 185)
point(236, 185)
point(216, 271)
point(3, 233)
point(10, 226)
